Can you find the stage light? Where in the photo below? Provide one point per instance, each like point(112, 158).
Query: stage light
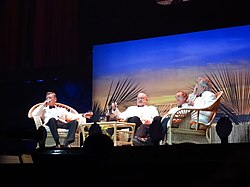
point(168, 2)
point(164, 2)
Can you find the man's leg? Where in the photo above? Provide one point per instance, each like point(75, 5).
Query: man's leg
point(72, 127)
point(164, 124)
point(52, 123)
point(41, 136)
point(156, 130)
point(135, 120)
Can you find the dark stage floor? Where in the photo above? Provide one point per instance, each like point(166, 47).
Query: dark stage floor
point(195, 165)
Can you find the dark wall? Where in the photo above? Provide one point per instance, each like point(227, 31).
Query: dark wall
point(125, 20)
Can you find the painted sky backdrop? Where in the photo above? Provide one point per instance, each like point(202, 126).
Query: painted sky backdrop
point(164, 65)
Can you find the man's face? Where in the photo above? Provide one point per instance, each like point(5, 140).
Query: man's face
point(52, 99)
point(200, 88)
point(141, 100)
point(180, 99)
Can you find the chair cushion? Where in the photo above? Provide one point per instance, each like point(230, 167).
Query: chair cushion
point(60, 130)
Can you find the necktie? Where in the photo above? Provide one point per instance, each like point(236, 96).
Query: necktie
point(50, 107)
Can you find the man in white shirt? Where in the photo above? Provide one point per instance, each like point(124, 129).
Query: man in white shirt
point(56, 117)
point(200, 98)
point(181, 100)
point(146, 118)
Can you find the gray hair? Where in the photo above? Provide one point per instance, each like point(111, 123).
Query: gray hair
point(205, 82)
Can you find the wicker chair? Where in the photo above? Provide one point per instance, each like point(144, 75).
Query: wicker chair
point(163, 109)
point(62, 132)
point(180, 131)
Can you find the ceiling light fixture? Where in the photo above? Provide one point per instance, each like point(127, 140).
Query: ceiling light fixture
point(168, 2)
point(164, 2)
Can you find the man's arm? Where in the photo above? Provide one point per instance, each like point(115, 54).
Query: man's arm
point(38, 111)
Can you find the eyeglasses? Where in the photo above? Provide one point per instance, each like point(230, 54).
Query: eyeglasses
point(141, 98)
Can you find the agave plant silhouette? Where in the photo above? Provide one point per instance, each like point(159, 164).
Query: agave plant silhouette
point(124, 92)
point(235, 83)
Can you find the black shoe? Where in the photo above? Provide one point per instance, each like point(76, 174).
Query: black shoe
point(59, 146)
point(67, 145)
point(137, 141)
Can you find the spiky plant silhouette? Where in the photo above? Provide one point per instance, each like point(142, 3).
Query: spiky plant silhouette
point(235, 83)
point(124, 92)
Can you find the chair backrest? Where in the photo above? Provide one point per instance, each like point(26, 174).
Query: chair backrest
point(38, 120)
point(214, 107)
point(163, 109)
point(70, 109)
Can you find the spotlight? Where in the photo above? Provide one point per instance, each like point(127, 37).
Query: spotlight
point(168, 2)
point(164, 2)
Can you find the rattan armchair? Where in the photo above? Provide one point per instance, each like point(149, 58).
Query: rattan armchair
point(62, 132)
point(180, 130)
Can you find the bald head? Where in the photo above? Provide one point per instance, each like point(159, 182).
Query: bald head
point(142, 99)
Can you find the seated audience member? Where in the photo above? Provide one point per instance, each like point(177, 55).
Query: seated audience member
point(148, 128)
point(181, 100)
point(98, 146)
point(56, 117)
point(95, 128)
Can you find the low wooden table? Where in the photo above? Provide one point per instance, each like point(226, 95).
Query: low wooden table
point(123, 131)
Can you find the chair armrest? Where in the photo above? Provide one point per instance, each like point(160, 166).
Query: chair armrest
point(182, 117)
point(179, 117)
point(38, 121)
point(81, 120)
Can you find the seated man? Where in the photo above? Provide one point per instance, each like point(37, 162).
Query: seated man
point(181, 100)
point(148, 128)
point(201, 97)
point(56, 117)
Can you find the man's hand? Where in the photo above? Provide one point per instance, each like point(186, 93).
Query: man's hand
point(146, 121)
point(114, 105)
point(88, 114)
point(46, 102)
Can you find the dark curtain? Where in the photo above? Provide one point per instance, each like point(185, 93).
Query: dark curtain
point(39, 34)
point(41, 39)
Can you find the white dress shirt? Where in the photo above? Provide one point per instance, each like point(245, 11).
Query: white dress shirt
point(205, 100)
point(58, 113)
point(143, 112)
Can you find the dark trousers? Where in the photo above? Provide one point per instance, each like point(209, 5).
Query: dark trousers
point(71, 126)
point(164, 125)
point(41, 136)
point(136, 120)
point(156, 130)
point(153, 131)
